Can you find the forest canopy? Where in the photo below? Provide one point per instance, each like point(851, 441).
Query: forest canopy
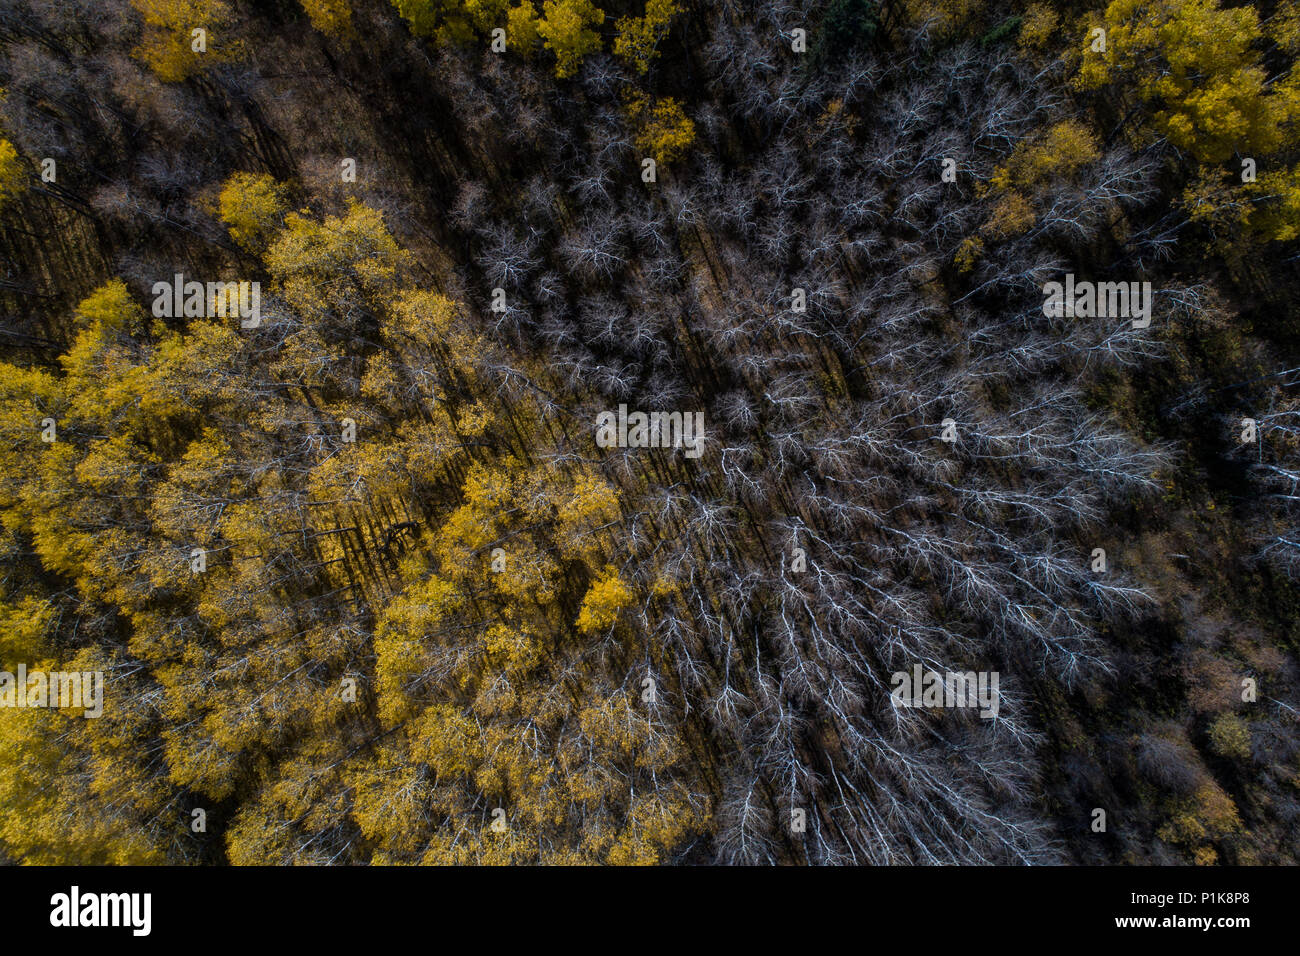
point(311, 312)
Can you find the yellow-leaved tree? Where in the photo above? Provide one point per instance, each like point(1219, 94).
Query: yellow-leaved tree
point(1054, 154)
point(639, 37)
point(1196, 69)
point(13, 175)
point(660, 127)
point(570, 30)
point(182, 37)
point(252, 206)
point(331, 17)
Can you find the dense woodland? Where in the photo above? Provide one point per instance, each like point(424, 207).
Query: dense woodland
point(432, 621)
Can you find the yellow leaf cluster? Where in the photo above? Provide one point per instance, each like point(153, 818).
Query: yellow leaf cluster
point(252, 205)
point(605, 599)
point(569, 30)
point(639, 37)
point(661, 128)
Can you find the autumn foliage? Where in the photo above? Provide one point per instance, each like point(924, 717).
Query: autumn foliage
point(363, 585)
